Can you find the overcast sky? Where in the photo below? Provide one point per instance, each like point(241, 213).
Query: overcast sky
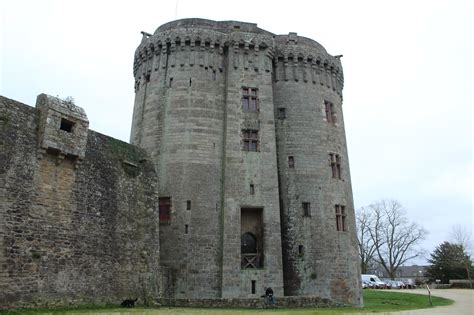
point(407, 95)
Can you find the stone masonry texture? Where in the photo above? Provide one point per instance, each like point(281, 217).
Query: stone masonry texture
point(78, 211)
point(234, 181)
point(194, 79)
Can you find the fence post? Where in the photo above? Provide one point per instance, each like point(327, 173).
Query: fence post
point(429, 294)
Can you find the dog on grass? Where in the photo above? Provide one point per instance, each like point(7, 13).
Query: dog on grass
point(128, 303)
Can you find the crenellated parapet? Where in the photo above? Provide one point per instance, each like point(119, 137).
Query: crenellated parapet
point(176, 49)
point(204, 43)
point(196, 42)
point(305, 60)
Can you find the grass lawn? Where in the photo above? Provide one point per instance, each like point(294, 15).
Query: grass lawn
point(374, 301)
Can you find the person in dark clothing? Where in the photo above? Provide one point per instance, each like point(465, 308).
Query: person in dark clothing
point(269, 298)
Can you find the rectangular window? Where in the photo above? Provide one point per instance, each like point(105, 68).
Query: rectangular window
point(66, 125)
point(335, 162)
point(306, 209)
point(164, 209)
point(171, 82)
point(188, 205)
point(343, 215)
point(186, 229)
point(330, 113)
point(245, 103)
point(250, 140)
point(254, 285)
point(340, 218)
point(249, 99)
point(281, 113)
point(291, 162)
point(252, 189)
point(300, 250)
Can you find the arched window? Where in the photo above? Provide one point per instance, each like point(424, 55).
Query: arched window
point(248, 243)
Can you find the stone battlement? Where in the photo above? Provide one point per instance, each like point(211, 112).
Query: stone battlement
point(204, 43)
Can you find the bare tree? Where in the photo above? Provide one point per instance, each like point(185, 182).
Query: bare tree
point(394, 238)
point(461, 236)
point(366, 244)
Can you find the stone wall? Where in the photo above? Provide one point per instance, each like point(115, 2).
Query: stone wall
point(190, 77)
point(76, 227)
point(188, 116)
point(79, 211)
point(280, 302)
point(318, 258)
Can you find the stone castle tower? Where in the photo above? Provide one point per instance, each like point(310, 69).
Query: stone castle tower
point(246, 131)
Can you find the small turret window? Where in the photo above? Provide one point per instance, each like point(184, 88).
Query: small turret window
point(341, 224)
point(164, 209)
point(281, 113)
point(306, 209)
point(335, 160)
point(300, 250)
point(250, 140)
point(249, 99)
point(291, 162)
point(66, 125)
point(330, 113)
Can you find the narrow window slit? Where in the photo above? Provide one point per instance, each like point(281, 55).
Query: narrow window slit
point(300, 250)
point(291, 162)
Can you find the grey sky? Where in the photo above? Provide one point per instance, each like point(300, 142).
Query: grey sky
point(407, 66)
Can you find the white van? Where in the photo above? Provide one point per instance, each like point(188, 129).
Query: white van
point(373, 279)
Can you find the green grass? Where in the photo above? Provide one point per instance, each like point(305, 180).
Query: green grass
point(382, 301)
point(374, 301)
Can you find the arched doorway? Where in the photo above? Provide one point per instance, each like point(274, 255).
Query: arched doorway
point(251, 258)
point(248, 243)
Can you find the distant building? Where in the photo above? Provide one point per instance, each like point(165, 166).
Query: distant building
point(404, 272)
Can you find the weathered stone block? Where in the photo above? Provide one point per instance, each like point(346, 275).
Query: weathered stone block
point(62, 127)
